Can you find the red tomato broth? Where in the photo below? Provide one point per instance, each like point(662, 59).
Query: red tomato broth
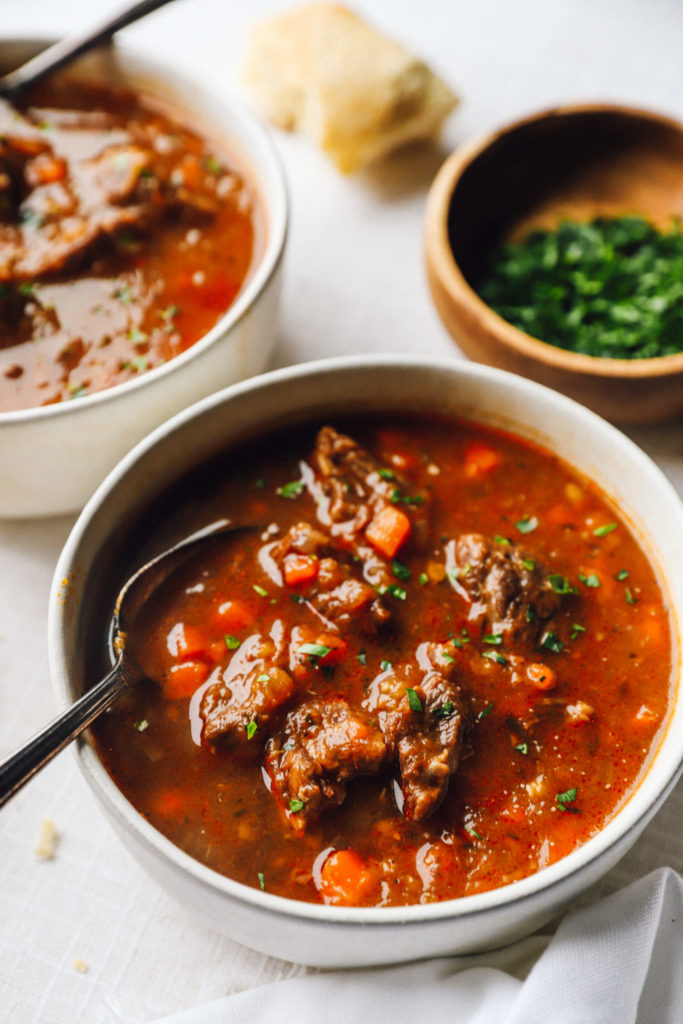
point(553, 754)
point(82, 309)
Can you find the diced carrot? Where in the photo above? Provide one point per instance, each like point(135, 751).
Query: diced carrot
point(184, 678)
point(45, 170)
point(169, 803)
point(388, 529)
point(232, 617)
point(299, 569)
point(185, 641)
point(337, 648)
point(558, 515)
point(190, 171)
point(541, 676)
point(480, 458)
point(644, 717)
point(345, 879)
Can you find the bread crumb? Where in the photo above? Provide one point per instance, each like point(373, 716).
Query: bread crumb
point(80, 965)
point(322, 70)
point(48, 840)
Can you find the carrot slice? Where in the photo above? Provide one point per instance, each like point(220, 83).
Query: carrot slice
point(186, 641)
point(388, 530)
point(345, 879)
point(337, 648)
point(480, 458)
point(184, 678)
point(299, 569)
point(232, 617)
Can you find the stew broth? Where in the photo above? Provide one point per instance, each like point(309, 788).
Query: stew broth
point(478, 712)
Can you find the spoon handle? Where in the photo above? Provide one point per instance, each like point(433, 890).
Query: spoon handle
point(25, 762)
point(68, 49)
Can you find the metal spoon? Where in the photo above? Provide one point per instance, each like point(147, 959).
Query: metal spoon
point(30, 758)
point(60, 53)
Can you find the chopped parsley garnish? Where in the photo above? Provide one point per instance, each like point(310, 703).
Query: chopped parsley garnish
point(622, 575)
point(444, 710)
point(576, 629)
point(297, 598)
point(568, 797)
point(261, 880)
point(362, 656)
point(387, 474)
point(448, 658)
point(400, 571)
point(560, 584)
point(602, 531)
point(502, 540)
point(136, 336)
point(493, 638)
point(465, 635)
point(527, 524)
point(296, 805)
point(405, 499)
point(494, 656)
point(630, 599)
point(141, 725)
point(487, 710)
point(291, 490)
point(609, 288)
point(523, 748)
point(552, 642)
point(395, 591)
point(264, 678)
point(231, 642)
point(591, 580)
point(529, 564)
point(315, 650)
point(413, 700)
point(251, 729)
point(471, 830)
point(261, 591)
point(423, 579)
point(385, 665)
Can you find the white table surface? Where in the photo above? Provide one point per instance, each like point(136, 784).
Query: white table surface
point(354, 282)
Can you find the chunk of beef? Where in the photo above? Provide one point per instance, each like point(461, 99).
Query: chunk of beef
point(510, 592)
point(334, 588)
point(428, 740)
point(323, 745)
point(252, 688)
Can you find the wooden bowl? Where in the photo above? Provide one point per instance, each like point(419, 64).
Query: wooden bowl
point(573, 163)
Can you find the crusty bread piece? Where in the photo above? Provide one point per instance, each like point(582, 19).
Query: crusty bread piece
point(320, 69)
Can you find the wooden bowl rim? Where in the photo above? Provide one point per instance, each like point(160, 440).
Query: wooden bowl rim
point(443, 264)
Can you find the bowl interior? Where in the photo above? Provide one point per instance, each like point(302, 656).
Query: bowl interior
point(573, 164)
point(100, 542)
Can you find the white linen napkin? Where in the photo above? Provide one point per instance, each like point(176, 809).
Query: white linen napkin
point(618, 961)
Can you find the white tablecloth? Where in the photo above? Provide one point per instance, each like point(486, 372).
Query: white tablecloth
point(86, 937)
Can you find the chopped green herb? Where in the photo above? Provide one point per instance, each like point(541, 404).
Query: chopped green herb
point(26, 288)
point(602, 531)
point(576, 629)
point(529, 564)
point(527, 524)
point(630, 599)
point(296, 805)
point(405, 499)
point(413, 700)
point(297, 598)
point(568, 797)
point(136, 336)
point(362, 656)
point(482, 714)
point(261, 880)
point(609, 288)
point(449, 659)
point(124, 294)
point(465, 635)
point(423, 579)
point(386, 665)
point(622, 575)
point(231, 642)
point(260, 482)
point(523, 748)
point(529, 613)
point(387, 474)
point(551, 642)
point(591, 580)
point(400, 571)
point(141, 725)
point(264, 678)
point(213, 165)
point(395, 591)
point(493, 638)
point(444, 710)
point(291, 490)
point(494, 656)
point(472, 831)
point(169, 312)
point(502, 540)
point(261, 591)
point(315, 650)
point(560, 584)
point(251, 729)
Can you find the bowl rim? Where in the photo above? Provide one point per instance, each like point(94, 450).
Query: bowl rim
point(257, 153)
point(629, 819)
point(447, 270)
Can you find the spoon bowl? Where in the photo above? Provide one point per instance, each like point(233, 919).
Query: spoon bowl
point(134, 594)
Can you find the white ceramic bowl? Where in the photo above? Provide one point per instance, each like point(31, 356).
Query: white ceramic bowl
point(54, 457)
point(333, 936)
